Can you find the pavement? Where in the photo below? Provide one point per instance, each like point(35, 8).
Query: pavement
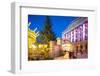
point(58, 58)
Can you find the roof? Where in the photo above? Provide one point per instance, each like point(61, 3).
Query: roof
point(75, 23)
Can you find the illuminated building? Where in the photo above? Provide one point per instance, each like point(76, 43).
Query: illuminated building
point(59, 41)
point(77, 33)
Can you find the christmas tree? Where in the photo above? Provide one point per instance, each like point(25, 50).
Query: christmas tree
point(47, 34)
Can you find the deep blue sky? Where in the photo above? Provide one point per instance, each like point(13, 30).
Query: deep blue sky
point(59, 23)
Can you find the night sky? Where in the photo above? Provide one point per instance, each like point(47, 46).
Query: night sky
point(59, 23)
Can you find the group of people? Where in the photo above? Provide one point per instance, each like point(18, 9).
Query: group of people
point(78, 54)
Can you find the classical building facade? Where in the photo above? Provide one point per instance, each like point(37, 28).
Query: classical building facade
point(77, 33)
